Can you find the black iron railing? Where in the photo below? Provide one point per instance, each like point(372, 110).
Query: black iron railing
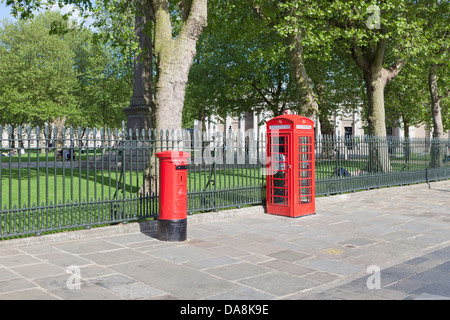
point(53, 179)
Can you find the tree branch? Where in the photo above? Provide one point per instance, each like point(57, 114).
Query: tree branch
point(262, 95)
point(257, 9)
point(394, 70)
point(163, 26)
point(358, 56)
point(195, 18)
point(163, 32)
point(145, 8)
point(380, 51)
point(445, 95)
point(185, 6)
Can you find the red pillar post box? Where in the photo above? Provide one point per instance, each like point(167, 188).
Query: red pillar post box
point(172, 220)
point(290, 180)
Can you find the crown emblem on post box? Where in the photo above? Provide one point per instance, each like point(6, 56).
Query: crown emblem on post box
point(279, 122)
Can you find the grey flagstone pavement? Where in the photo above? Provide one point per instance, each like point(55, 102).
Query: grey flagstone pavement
point(246, 254)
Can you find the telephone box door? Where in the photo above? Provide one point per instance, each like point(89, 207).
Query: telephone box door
point(278, 173)
point(305, 183)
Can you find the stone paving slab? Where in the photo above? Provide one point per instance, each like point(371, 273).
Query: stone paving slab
point(245, 254)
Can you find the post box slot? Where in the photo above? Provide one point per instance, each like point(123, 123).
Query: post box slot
point(181, 178)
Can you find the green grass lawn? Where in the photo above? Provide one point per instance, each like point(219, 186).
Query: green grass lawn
point(41, 186)
point(36, 186)
point(54, 198)
point(326, 168)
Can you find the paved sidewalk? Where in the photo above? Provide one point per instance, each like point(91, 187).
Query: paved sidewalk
point(247, 254)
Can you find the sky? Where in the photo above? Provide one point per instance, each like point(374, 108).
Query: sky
point(5, 12)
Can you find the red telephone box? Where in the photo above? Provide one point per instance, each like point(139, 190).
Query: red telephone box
point(290, 180)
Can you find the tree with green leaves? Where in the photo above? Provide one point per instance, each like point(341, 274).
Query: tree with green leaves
point(435, 59)
point(104, 83)
point(62, 78)
point(407, 102)
point(242, 65)
point(281, 17)
point(36, 72)
point(381, 37)
point(177, 25)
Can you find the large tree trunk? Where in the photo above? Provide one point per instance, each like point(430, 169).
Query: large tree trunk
point(308, 103)
point(375, 84)
point(436, 112)
point(378, 151)
point(169, 97)
point(59, 123)
point(370, 60)
point(376, 79)
point(174, 58)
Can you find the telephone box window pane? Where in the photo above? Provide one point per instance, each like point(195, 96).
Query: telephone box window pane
point(305, 157)
point(305, 165)
point(306, 183)
point(305, 191)
point(304, 140)
point(279, 183)
point(279, 191)
point(305, 200)
point(279, 200)
point(279, 196)
point(278, 140)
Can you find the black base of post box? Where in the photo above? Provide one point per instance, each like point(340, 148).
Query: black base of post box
point(172, 230)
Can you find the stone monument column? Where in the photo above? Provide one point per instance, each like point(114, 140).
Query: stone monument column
point(139, 112)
